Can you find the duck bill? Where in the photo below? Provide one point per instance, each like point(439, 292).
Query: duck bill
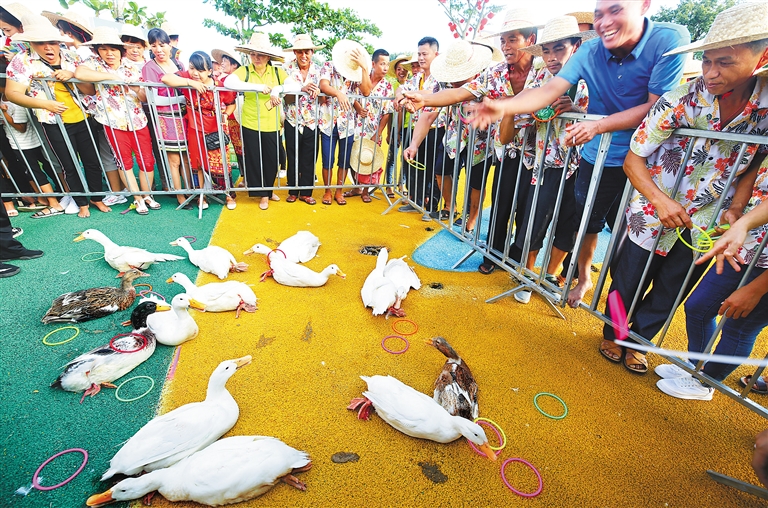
point(162, 308)
point(429, 342)
point(486, 449)
point(249, 251)
point(341, 274)
point(100, 499)
point(170, 280)
point(79, 238)
point(175, 243)
point(242, 362)
point(194, 304)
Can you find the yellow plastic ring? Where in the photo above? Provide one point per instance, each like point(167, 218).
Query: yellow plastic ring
point(501, 431)
point(77, 332)
point(416, 164)
point(699, 243)
point(143, 284)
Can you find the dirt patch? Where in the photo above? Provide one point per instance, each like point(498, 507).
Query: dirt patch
point(264, 341)
point(429, 229)
point(371, 250)
point(309, 332)
point(344, 457)
point(432, 471)
point(436, 285)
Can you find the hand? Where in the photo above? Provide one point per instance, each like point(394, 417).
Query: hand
point(730, 216)
point(4, 107)
point(274, 101)
point(760, 457)
point(412, 101)
point(482, 114)
point(312, 89)
point(564, 104)
point(360, 58)
point(581, 132)
point(672, 214)
point(726, 248)
point(267, 90)
point(63, 75)
point(741, 302)
point(343, 102)
point(55, 107)
point(198, 85)
point(409, 153)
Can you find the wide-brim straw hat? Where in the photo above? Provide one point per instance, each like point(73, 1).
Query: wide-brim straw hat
point(19, 12)
point(303, 41)
point(491, 42)
point(583, 17)
point(463, 60)
point(38, 29)
point(134, 31)
point(105, 36)
point(743, 23)
point(341, 56)
point(559, 29)
point(414, 59)
point(403, 61)
point(217, 55)
point(73, 18)
point(260, 43)
point(169, 28)
point(366, 155)
point(516, 18)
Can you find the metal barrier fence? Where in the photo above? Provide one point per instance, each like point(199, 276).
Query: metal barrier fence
point(428, 176)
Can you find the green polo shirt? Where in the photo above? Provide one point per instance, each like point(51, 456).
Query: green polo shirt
point(255, 115)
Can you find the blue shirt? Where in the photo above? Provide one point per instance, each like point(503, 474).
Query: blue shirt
point(616, 84)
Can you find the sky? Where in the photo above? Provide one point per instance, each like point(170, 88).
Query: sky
point(402, 22)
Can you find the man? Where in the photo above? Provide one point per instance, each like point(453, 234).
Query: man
point(505, 79)
point(626, 72)
point(10, 248)
point(397, 75)
point(727, 98)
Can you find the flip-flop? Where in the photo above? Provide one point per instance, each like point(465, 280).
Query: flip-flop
point(486, 268)
point(639, 360)
point(34, 207)
point(391, 195)
point(366, 198)
point(760, 386)
point(327, 199)
point(611, 348)
point(308, 200)
point(291, 199)
point(51, 212)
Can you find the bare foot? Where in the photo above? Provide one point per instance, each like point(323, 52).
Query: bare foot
point(101, 206)
point(579, 290)
point(84, 212)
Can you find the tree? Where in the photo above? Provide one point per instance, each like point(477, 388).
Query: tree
point(468, 17)
point(303, 16)
point(131, 13)
point(696, 15)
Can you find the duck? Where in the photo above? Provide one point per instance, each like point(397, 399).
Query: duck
point(415, 414)
point(388, 284)
point(231, 470)
point(93, 303)
point(292, 274)
point(177, 327)
point(123, 258)
point(298, 248)
point(455, 387)
point(99, 367)
point(219, 296)
point(169, 438)
point(211, 259)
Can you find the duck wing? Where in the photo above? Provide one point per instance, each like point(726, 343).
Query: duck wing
point(134, 257)
point(456, 391)
point(86, 304)
point(402, 274)
point(300, 247)
point(296, 275)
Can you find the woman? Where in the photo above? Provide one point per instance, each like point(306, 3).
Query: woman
point(118, 109)
point(227, 65)
point(203, 118)
point(171, 134)
point(260, 117)
point(135, 44)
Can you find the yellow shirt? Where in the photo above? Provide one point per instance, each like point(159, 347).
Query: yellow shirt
point(255, 115)
point(73, 113)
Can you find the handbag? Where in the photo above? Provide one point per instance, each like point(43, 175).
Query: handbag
point(212, 140)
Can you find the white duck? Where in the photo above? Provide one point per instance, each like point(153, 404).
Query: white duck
point(231, 470)
point(123, 258)
point(169, 438)
point(99, 367)
point(298, 248)
point(296, 275)
point(416, 414)
point(211, 259)
point(174, 328)
point(388, 284)
point(219, 296)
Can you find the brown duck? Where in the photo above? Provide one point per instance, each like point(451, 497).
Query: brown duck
point(455, 387)
point(93, 303)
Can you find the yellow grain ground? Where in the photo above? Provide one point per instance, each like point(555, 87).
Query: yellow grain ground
point(623, 443)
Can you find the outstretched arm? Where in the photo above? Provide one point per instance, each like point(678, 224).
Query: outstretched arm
point(416, 100)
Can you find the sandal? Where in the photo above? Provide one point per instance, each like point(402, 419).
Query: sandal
point(611, 351)
point(366, 198)
point(391, 195)
point(352, 194)
point(51, 212)
point(151, 203)
point(12, 213)
point(327, 199)
point(291, 199)
point(486, 268)
point(141, 207)
point(274, 197)
point(637, 363)
point(760, 385)
point(339, 198)
point(308, 200)
point(34, 207)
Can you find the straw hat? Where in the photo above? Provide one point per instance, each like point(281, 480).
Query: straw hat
point(414, 59)
point(742, 23)
point(691, 68)
point(260, 43)
point(403, 61)
point(463, 60)
point(558, 29)
point(364, 158)
point(39, 30)
point(303, 41)
point(19, 12)
point(217, 54)
point(583, 17)
point(491, 42)
point(104, 35)
point(73, 18)
point(516, 18)
point(134, 31)
point(341, 56)
point(169, 28)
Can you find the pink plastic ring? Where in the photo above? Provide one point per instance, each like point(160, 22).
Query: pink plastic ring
point(269, 260)
point(193, 239)
point(35, 477)
point(150, 292)
point(112, 342)
point(385, 348)
point(498, 435)
point(531, 466)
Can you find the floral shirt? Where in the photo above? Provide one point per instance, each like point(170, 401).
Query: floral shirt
point(429, 85)
point(27, 67)
point(330, 111)
point(556, 150)
point(304, 111)
point(759, 194)
point(458, 133)
point(113, 106)
point(710, 164)
point(379, 104)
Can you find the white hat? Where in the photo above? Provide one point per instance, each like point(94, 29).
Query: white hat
point(260, 43)
point(558, 29)
point(742, 23)
point(463, 60)
point(217, 54)
point(38, 29)
point(303, 41)
point(169, 28)
point(19, 12)
point(516, 18)
point(105, 35)
point(365, 156)
point(343, 61)
point(134, 31)
point(403, 60)
point(73, 18)
point(414, 59)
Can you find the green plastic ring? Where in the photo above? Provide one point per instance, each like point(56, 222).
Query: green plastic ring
point(535, 403)
point(117, 392)
point(77, 332)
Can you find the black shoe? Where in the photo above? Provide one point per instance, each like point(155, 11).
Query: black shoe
point(17, 232)
point(8, 270)
point(24, 254)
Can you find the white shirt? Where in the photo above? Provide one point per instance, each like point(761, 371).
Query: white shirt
point(20, 140)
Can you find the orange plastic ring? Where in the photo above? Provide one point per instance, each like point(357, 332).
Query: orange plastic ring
point(394, 327)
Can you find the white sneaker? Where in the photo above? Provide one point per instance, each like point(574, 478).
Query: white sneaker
point(669, 371)
point(523, 296)
point(114, 199)
point(71, 208)
point(685, 388)
point(65, 201)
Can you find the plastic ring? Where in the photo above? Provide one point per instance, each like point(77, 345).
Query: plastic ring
point(35, 477)
point(148, 292)
point(394, 327)
point(535, 403)
point(143, 284)
point(77, 332)
point(151, 386)
point(499, 434)
point(89, 260)
point(193, 239)
point(385, 348)
point(532, 467)
point(697, 249)
point(143, 346)
point(269, 260)
point(416, 164)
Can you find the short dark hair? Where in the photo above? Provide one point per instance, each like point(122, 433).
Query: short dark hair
point(757, 47)
point(431, 41)
point(78, 33)
point(173, 37)
point(158, 35)
point(133, 40)
point(231, 60)
point(200, 61)
point(526, 32)
point(378, 53)
point(95, 48)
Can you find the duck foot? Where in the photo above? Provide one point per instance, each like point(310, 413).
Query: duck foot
point(238, 267)
point(392, 311)
point(91, 391)
point(302, 468)
point(265, 275)
point(294, 482)
point(147, 500)
point(247, 307)
point(364, 407)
